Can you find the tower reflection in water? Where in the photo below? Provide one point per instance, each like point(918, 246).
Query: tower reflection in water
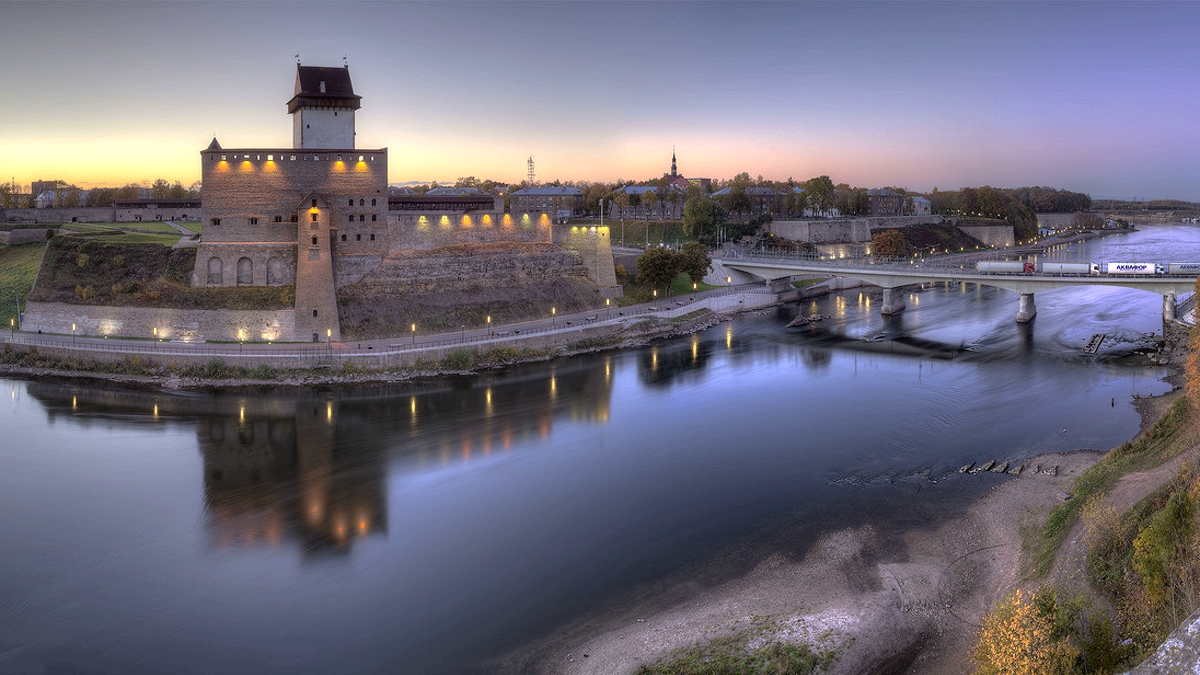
point(308, 468)
point(275, 471)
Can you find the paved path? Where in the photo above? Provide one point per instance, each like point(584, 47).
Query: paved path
point(736, 298)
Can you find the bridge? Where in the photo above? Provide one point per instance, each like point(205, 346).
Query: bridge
point(891, 275)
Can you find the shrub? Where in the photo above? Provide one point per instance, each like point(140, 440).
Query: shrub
point(461, 358)
point(1021, 637)
point(49, 234)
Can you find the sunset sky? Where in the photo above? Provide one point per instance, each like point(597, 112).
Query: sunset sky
point(1095, 97)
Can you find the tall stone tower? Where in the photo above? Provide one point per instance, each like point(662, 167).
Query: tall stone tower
point(323, 108)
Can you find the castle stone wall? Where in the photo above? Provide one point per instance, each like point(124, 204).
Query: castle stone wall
point(103, 214)
point(350, 269)
point(16, 237)
point(252, 195)
point(594, 247)
point(270, 265)
point(171, 324)
point(144, 215)
point(843, 231)
point(423, 231)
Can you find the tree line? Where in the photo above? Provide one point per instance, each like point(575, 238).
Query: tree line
point(67, 195)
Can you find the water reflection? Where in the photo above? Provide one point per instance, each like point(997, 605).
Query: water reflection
point(308, 467)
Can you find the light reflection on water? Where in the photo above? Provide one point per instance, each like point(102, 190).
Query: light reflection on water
point(433, 525)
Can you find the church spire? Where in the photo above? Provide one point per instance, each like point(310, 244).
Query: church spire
point(674, 171)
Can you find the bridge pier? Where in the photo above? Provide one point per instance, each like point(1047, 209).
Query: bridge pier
point(1027, 310)
point(1169, 307)
point(893, 301)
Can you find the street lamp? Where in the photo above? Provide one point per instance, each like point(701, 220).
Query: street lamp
point(552, 312)
point(414, 334)
point(72, 335)
point(489, 324)
point(693, 291)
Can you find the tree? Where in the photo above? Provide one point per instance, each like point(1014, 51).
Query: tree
point(658, 266)
point(650, 201)
point(888, 243)
point(695, 260)
point(820, 194)
point(702, 216)
point(160, 189)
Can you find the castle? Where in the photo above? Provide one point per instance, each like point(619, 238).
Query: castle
point(318, 217)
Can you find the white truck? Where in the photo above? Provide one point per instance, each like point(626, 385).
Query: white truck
point(1134, 268)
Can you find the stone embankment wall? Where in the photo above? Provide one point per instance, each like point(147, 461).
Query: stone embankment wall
point(170, 324)
point(998, 236)
point(855, 230)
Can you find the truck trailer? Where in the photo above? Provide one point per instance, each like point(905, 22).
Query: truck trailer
point(1134, 268)
point(1190, 269)
point(1091, 269)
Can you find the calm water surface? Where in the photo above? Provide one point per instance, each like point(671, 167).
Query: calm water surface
point(429, 528)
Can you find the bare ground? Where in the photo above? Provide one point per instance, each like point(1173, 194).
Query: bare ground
point(913, 609)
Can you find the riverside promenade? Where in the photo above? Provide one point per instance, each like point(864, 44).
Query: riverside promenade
point(403, 349)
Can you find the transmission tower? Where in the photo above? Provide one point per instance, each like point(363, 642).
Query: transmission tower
point(530, 163)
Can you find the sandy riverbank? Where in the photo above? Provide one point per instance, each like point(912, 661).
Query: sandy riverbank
point(907, 607)
point(911, 607)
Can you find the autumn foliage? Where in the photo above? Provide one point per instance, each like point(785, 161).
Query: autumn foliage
point(1025, 637)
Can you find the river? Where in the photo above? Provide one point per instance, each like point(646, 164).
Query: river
point(433, 527)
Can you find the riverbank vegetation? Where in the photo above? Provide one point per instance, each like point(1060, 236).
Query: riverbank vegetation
point(1143, 562)
point(89, 272)
point(752, 651)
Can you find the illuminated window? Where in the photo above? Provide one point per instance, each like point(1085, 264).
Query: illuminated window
point(322, 91)
point(222, 158)
point(360, 158)
point(254, 221)
point(339, 158)
point(293, 158)
point(314, 241)
point(270, 158)
point(216, 221)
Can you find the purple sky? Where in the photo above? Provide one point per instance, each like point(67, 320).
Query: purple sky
point(1096, 97)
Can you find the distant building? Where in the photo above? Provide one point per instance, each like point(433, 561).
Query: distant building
point(762, 201)
point(885, 203)
point(648, 202)
point(920, 206)
point(556, 203)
